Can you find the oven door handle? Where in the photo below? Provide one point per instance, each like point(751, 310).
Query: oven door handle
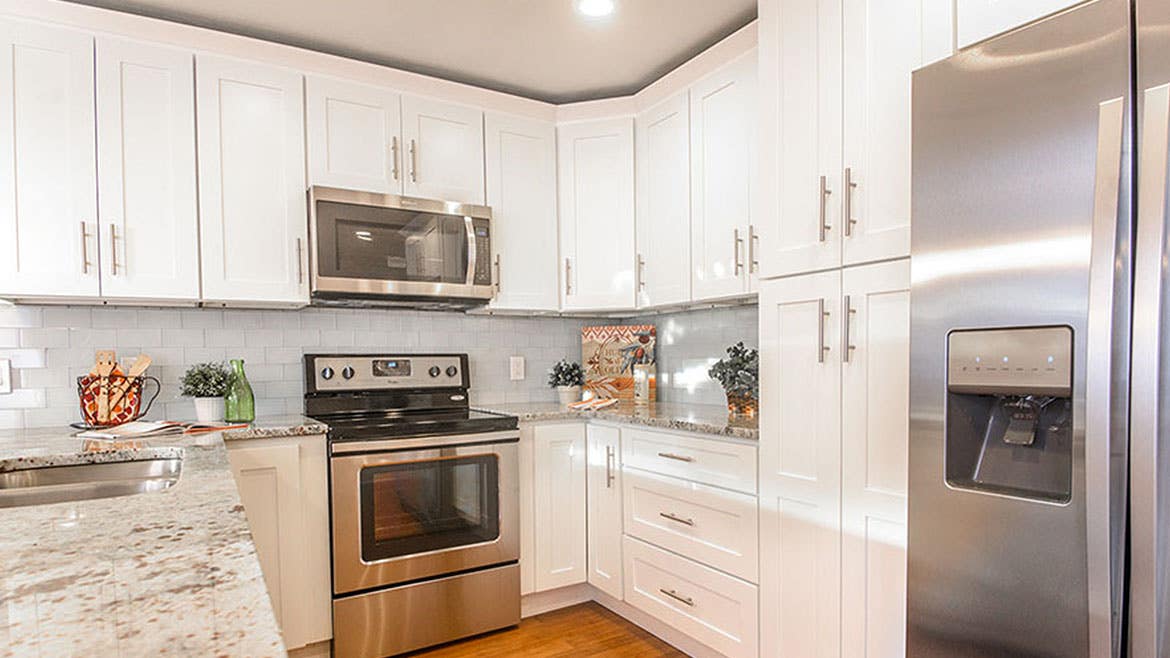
point(423, 442)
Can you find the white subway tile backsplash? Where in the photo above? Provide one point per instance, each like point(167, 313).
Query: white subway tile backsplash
point(24, 357)
point(66, 316)
point(19, 316)
point(182, 337)
point(139, 338)
point(23, 398)
point(263, 338)
point(223, 338)
point(46, 338)
point(108, 317)
point(9, 337)
point(202, 318)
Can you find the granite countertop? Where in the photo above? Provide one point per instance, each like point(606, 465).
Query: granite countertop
point(703, 418)
point(167, 573)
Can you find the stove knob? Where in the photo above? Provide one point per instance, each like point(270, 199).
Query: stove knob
point(452, 371)
point(327, 373)
point(347, 372)
point(434, 371)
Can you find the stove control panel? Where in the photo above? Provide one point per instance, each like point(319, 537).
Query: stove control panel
point(362, 372)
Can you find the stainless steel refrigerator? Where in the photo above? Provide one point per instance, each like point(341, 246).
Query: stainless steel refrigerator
point(1039, 485)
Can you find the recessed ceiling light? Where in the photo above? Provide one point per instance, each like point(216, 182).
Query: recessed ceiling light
point(595, 8)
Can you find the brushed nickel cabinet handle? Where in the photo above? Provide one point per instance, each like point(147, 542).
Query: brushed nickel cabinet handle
point(678, 597)
point(413, 162)
point(394, 156)
point(677, 519)
point(822, 315)
point(753, 249)
point(499, 274)
point(609, 476)
point(84, 249)
point(300, 263)
point(641, 273)
point(846, 319)
point(825, 192)
point(678, 458)
point(113, 250)
point(568, 277)
point(735, 245)
point(850, 185)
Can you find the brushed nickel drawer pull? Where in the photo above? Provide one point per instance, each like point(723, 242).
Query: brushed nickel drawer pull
point(677, 519)
point(822, 315)
point(847, 346)
point(850, 185)
point(825, 192)
point(678, 597)
point(609, 476)
point(680, 458)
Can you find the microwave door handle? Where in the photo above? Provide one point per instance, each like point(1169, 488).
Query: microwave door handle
point(470, 226)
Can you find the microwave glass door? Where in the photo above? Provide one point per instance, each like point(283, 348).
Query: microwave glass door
point(429, 505)
point(390, 244)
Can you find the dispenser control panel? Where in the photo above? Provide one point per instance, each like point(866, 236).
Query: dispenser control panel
point(1023, 361)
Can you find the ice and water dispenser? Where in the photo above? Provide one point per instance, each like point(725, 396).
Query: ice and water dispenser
point(1009, 412)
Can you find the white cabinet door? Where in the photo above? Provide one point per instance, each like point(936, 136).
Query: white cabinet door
point(283, 486)
point(522, 192)
point(664, 203)
point(146, 171)
point(803, 230)
point(354, 135)
point(595, 168)
point(560, 505)
point(444, 150)
point(723, 144)
point(880, 54)
point(253, 213)
point(800, 465)
point(976, 20)
point(48, 186)
point(875, 413)
point(604, 505)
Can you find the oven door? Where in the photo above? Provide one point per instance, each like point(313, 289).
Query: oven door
point(366, 245)
point(410, 514)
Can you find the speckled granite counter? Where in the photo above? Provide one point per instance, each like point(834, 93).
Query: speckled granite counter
point(167, 573)
point(704, 418)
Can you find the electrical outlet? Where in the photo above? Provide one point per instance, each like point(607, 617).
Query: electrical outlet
point(516, 367)
point(5, 376)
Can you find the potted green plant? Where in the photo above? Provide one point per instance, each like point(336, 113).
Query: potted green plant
point(207, 383)
point(739, 374)
point(567, 377)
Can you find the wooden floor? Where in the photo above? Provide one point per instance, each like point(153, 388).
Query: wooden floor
point(582, 630)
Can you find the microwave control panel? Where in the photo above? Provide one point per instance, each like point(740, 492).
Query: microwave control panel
point(483, 252)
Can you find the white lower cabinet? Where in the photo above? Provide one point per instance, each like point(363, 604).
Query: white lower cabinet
point(283, 486)
point(604, 509)
point(716, 609)
point(559, 498)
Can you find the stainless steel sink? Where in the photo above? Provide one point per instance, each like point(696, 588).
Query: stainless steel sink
point(57, 484)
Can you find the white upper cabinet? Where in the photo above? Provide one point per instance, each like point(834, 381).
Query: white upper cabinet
point(596, 198)
point(354, 135)
point(664, 203)
point(146, 171)
point(604, 508)
point(252, 202)
point(48, 186)
point(722, 164)
point(977, 20)
point(521, 190)
point(444, 150)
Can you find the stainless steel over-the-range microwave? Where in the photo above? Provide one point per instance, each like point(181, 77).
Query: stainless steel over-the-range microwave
point(370, 248)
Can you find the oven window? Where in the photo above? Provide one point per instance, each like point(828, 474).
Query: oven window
point(365, 242)
point(429, 505)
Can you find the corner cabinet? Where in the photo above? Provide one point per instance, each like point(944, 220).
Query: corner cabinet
point(48, 182)
point(252, 203)
point(283, 486)
point(521, 190)
point(664, 203)
point(604, 508)
point(596, 200)
point(559, 496)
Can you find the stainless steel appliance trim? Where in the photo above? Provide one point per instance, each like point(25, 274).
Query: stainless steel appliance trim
point(84, 249)
point(846, 318)
point(735, 244)
point(825, 192)
point(394, 156)
point(396, 201)
point(113, 249)
point(394, 445)
point(686, 600)
point(822, 315)
point(413, 162)
point(469, 227)
point(351, 572)
point(677, 519)
point(1099, 370)
point(678, 458)
point(414, 288)
point(1146, 376)
point(850, 185)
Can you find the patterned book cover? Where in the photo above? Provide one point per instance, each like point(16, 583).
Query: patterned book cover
point(609, 354)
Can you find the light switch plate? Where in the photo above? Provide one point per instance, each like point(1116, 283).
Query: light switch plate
point(5, 376)
point(516, 368)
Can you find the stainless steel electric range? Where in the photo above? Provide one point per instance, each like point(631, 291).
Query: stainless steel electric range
point(424, 502)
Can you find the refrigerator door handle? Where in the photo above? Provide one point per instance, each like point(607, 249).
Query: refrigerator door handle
point(1145, 551)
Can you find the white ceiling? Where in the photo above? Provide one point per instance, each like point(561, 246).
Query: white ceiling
point(541, 49)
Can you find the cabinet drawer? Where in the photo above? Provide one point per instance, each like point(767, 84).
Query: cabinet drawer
point(718, 463)
point(714, 526)
point(714, 608)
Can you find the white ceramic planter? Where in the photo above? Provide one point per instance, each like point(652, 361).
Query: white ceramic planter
point(209, 410)
point(569, 394)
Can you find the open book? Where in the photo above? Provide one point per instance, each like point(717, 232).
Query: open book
point(146, 428)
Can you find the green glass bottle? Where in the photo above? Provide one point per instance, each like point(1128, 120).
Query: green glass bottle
point(239, 404)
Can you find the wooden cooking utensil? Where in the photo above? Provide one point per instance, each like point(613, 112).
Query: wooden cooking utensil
point(136, 369)
point(106, 361)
